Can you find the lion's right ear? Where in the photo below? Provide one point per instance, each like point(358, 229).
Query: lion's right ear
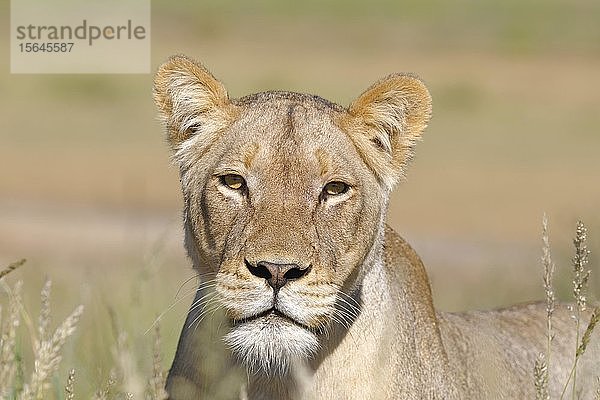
point(190, 100)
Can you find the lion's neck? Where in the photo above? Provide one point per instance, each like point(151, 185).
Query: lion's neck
point(393, 342)
point(361, 349)
point(344, 361)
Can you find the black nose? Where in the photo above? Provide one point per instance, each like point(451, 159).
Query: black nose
point(277, 275)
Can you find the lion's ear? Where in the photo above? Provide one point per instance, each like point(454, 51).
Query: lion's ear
point(386, 121)
point(190, 100)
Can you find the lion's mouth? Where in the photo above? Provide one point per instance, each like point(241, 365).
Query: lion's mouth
point(269, 316)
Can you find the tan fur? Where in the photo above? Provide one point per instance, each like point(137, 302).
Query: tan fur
point(361, 323)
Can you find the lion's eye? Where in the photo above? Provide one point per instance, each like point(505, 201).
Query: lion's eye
point(233, 181)
point(335, 188)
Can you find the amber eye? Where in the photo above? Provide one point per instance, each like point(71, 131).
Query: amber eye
point(335, 188)
point(233, 181)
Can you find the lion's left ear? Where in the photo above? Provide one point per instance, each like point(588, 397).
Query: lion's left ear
point(386, 121)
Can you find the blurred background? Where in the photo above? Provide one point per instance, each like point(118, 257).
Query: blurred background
point(89, 197)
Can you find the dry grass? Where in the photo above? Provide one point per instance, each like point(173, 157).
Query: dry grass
point(543, 360)
point(11, 268)
point(125, 381)
point(47, 345)
point(581, 274)
point(70, 386)
point(8, 342)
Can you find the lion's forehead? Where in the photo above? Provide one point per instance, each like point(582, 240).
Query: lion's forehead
point(290, 136)
point(279, 97)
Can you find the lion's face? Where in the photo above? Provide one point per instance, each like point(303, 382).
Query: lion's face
point(293, 212)
point(285, 197)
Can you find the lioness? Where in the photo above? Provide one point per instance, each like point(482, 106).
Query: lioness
point(285, 200)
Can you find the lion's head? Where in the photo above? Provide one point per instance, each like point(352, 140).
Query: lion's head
point(285, 196)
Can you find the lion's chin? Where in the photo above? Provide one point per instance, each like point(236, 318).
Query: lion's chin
point(271, 344)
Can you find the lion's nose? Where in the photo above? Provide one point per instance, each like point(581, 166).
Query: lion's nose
point(277, 275)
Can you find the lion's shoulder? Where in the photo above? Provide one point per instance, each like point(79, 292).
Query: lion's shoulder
point(405, 267)
point(397, 250)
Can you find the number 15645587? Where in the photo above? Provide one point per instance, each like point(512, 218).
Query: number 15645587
point(46, 47)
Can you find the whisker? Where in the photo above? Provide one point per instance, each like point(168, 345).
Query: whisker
point(209, 302)
point(200, 315)
point(349, 317)
point(185, 283)
point(348, 299)
point(207, 298)
point(338, 320)
point(197, 276)
point(346, 325)
point(198, 320)
point(169, 308)
point(347, 304)
point(207, 284)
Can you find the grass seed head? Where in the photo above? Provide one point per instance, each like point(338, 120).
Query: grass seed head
point(585, 340)
point(548, 269)
point(8, 341)
point(69, 387)
point(580, 262)
point(540, 373)
point(11, 268)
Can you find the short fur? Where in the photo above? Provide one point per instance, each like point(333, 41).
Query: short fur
point(361, 323)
